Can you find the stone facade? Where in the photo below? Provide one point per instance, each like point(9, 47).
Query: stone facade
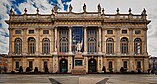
point(109, 40)
point(3, 63)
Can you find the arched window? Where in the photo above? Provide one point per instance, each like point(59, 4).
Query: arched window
point(63, 40)
point(31, 45)
point(18, 46)
point(46, 46)
point(91, 45)
point(124, 45)
point(92, 40)
point(109, 46)
point(138, 46)
point(63, 44)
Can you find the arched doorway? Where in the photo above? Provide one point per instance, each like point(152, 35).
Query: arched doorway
point(63, 66)
point(92, 66)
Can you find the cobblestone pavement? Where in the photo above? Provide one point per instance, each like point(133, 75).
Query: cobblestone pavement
point(78, 79)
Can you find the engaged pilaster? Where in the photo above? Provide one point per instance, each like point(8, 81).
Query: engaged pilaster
point(85, 40)
point(56, 44)
point(70, 40)
point(99, 43)
point(131, 41)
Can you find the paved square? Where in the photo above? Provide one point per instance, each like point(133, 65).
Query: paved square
point(78, 79)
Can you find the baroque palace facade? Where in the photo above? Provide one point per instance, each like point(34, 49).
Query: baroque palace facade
point(107, 40)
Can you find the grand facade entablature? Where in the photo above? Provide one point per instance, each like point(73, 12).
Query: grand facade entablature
point(99, 39)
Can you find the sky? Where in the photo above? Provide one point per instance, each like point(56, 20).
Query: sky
point(110, 6)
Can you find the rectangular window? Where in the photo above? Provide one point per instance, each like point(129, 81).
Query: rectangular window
point(124, 31)
point(109, 31)
point(17, 31)
point(137, 31)
point(110, 65)
point(45, 31)
point(31, 31)
point(138, 64)
point(45, 64)
point(125, 64)
point(31, 65)
point(17, 65)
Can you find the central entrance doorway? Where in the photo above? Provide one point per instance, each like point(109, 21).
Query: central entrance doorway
point(92, 66)
point(63, 66)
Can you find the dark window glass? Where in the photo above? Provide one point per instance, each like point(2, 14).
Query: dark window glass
point(63, 47)
point(109, 46)
point(124, 45)
point(46, 46)
point(109, 31)
point(31, 65)
point(138, 46)
point(124, 31)
point(110, 64)
point(18, 46)
point(17, 64)
point(45, 31)
point(31, 31)
point(17, 31)
point(138, 64)
point(45, 64)
point(125, 64)
point(92, 41)
point(31, 45)
point(137, 31)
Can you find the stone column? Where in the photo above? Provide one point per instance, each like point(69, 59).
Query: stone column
point(38, 41)
point(131, 41)
point(51, 64)
point(52, 40)
point(132, 64)
point(146, 65)
point(10, 64)
point(24, 43)
point(119, 65)
point(56, 45)
point(99, 43)
point(118, 41)
point(103, 40)
point(100, 64)
point(10, 41)
point(69, 63)
point(85, 40)
point(55, 64)
point(145, 41)
point(86, 64)
point(70, 40)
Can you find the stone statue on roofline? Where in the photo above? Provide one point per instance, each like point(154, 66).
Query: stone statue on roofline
point(56, 8)
point(84, 7)
point(70, 8)
point(99, 8)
